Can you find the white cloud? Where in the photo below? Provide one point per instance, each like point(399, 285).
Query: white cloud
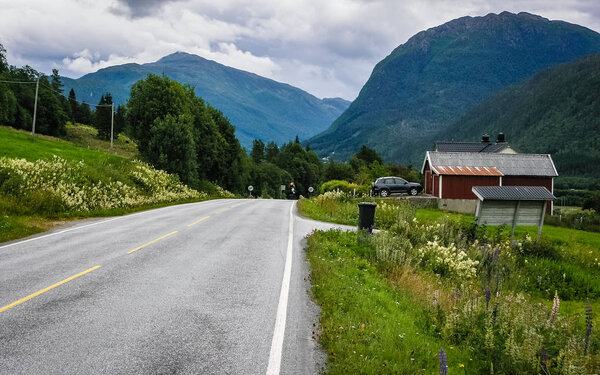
point(325, 47)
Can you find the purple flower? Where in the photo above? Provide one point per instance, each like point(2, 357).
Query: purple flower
point(443, 364)
point(488, 296)
point(544, 360)
point(555, 306)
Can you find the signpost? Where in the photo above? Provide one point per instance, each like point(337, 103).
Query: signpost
point(281, 190)
point(250, 188)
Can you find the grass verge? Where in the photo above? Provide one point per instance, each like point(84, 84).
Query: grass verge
point(368, 326)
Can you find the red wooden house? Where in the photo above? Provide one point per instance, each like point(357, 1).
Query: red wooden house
point(451, 176)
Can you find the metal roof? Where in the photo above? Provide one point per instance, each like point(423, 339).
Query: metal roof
point(508, 164)
point(513, 193)
point(467, 171)
point(470, 146)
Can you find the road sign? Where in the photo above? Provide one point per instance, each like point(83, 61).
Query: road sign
point(310, 189)
point(250, 188)
point(282, 187)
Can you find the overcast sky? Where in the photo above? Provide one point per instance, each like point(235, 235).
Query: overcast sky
point(326, 47)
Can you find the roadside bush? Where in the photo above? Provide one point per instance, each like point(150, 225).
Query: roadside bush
point(335, 185)
point(54, 186)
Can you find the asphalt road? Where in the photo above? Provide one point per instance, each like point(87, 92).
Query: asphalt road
point(190, 289)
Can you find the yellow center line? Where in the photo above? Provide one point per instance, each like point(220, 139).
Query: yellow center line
point(16, 303)
point(196, 222)
point(223, 210)
point(151, 242)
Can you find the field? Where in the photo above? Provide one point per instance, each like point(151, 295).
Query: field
point(392, 301)
point(46, 181)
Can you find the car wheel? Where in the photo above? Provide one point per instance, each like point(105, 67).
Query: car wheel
point(384, 193)
point(413, 192)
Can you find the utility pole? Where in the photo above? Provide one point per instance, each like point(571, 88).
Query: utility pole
point(37, 86)
point(112, 120)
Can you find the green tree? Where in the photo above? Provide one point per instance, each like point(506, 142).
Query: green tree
point(102, 119)
point(338, 171)
point(368, 155)
point(267, 178)
point(258, 151)
point(154, 98)
point(73, 107)
point(51, 116)
point(3, 63)
point(271, 152)
point(55, 82)
point(171, 147)
point(119, 120)
point(84, 114)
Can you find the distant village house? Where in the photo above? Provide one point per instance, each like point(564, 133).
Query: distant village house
point(455, 168)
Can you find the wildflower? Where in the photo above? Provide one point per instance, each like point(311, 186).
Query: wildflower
point(544, 360)
point(555, 306)
point(488, 296)
point(461, 365)
point(452, 347)
point(443, 364)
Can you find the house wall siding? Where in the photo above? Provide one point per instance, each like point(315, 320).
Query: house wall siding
point(460, 187)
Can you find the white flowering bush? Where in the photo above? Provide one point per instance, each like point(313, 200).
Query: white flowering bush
point(222, 193)
point(447, 261)
point(68, 188)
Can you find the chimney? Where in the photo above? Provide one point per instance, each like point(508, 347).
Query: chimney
point(501, 138)
point(485, 138)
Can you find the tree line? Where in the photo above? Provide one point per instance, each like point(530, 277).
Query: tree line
point(179, 132)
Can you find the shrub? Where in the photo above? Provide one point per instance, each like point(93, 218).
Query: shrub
point(56, 186)
point(335, 185)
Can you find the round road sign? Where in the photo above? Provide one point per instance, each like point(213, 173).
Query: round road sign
point(310, 189)
point(250, 188)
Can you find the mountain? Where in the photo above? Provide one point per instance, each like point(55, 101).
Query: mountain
point(258, 107)
point(429, 82)
point(557, 112)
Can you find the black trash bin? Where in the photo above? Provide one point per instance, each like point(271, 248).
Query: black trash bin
point(366, 216)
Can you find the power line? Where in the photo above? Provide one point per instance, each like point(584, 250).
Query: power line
point(56, 91)
point(17, 82)
point(79, 101)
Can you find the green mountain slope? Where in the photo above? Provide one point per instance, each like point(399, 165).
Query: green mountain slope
point(426, 84)
point(258, 107)
point(557, 112)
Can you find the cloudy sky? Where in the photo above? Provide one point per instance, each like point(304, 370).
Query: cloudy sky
point(326, 47)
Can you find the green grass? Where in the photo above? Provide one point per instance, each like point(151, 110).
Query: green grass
point(367, 326)
point(87, 137)
point(12, 227)
point(20, 144)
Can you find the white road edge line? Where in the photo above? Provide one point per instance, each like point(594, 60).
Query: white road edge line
point(279, 333)
point(89, 225)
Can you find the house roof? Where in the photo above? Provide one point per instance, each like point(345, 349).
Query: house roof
point(467, 171)
point(507, 164)
point(513, 193)
point(471, 146)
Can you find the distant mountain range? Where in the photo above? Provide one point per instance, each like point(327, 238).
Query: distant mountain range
point(557, 112)
point(428, 83)
point(258, 107)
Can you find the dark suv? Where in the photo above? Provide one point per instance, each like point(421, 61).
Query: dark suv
point(385, 186)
